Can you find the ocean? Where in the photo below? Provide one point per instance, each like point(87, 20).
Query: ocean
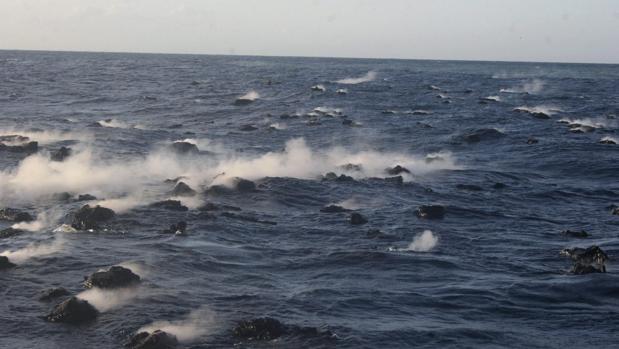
point(513, 153)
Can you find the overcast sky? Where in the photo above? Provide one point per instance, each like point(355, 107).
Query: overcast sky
point(513, 30)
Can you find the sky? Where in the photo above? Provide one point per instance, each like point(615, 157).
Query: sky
point(503, 30)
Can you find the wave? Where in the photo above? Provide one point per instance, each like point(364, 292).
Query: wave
point(369, 76)
point(531, 87)
point(124, 184)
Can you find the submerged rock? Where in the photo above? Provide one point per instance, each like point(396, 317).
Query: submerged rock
point(155, 340)
point(607, 141)
point(184, 148)
point(178, 228)
point(172, 205)
point(73, 311)
point(53, 293)
point(582, 269)
point(5, 263)
point(575, 234)
point(15, 215)
point(90, 217)
point(357, 219)
point(532, 141)
point(61, 154)
point(430, 212)
point(265, 328)
point(9, 232)
point(482, 135)
point(115, 277)
point(247, 128)
point(182, 189)
point(334, 209)
point(394, 171)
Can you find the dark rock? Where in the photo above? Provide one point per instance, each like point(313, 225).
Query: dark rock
point(85, 197)
point(330, 176)
point(62, 196)
point(27, 148)
point(156, 340)
point(114, 277)
point(351, 167)
point(9, 232)
point(575, 234)
point(243, 101)
point(61, 154)
point(540, 115)
point(244, 185)
point(260, 329)
point(499, 185)
point(607, 141)
point(318, 88)
point(53, 293)
point(182, 189)
point(73, 311)
point(532, 141)
point(174, 180)
point(178, 228)
point(469, 187)
point(333, 209)
point(389, 112)
point(89, 217)
point(586, 256)
point(582, 269)
point(482, 135)
point(5, 263)
point(172, 205)
point(184, 148)
point(347, 122)
point(431, 212)
point(357, 219)
point(398, 180)
point(14, 215)
point(377, 234)
point(394, 171)
point(14, 139)
point(248, 128)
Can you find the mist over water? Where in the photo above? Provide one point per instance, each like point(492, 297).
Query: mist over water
point(509, 181)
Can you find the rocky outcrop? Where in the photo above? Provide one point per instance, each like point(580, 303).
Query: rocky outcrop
point(155, 340)
point(61, 154)
point(89, 217)
point(182, 189)
point(430, 212)
point(357, 219)
point(115, 277)
point(15, 215)
point(73, 311)
point(5, 263)
point(171, 205)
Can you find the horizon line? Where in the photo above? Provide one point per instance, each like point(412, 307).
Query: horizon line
point(297, 56)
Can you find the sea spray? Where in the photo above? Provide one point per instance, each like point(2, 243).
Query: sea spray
point(197, 324)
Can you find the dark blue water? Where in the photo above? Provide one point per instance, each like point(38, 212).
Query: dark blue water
point(494, 278)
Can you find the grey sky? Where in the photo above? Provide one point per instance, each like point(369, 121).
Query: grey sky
point(520, 30)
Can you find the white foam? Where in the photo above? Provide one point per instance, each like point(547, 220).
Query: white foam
point(108, 299)
point(250, 96)
point(369, 76)
point(423, 242)
point(531, 87)
point(34, 250)
point(197, 324)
